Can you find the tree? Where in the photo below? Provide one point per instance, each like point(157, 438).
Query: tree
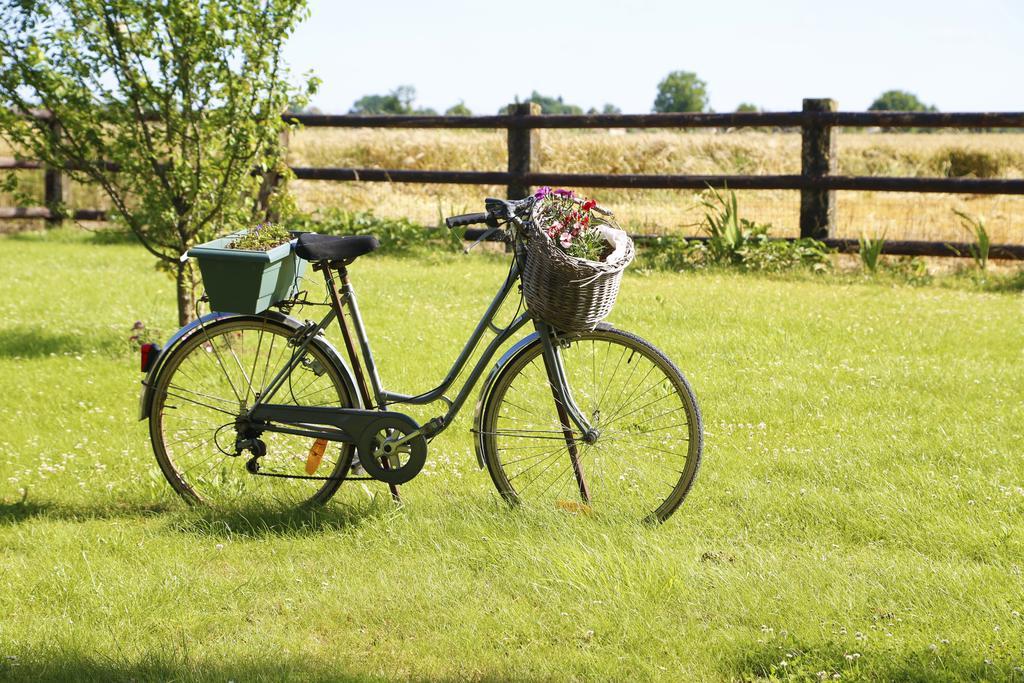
point(378, 104)
point(406, 95)
point(549, 105)
point(681, 91)
point(299, 109)
point(747, 108)
point(899, 100)
point(168, 107)
point(459, 109)
point(606, 109)
point(397, 102)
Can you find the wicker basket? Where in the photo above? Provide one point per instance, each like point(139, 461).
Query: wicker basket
point(569, 293)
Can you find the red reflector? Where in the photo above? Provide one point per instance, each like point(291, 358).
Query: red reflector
point(148, 355)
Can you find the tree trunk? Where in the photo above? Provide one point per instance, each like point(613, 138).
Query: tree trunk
point(185, 282)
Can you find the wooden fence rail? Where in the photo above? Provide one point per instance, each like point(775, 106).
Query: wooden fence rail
point(817, 181)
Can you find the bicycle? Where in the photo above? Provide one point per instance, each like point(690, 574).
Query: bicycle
point(600, 422)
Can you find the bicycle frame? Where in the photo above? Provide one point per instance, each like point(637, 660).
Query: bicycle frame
point(374, 395)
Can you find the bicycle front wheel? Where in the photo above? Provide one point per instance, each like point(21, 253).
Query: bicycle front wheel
point(649, 433)
point(214, 377)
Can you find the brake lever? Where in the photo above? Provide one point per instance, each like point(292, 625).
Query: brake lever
point(482, 237)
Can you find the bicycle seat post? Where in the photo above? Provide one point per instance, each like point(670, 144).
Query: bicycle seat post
point(337, 301)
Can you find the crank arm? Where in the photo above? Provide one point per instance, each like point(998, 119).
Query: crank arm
point(408, 437)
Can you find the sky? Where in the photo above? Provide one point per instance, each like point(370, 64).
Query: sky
point(964, 55)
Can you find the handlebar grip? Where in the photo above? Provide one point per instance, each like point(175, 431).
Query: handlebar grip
point(465, 219)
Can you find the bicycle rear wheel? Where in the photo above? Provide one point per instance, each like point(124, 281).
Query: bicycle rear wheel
point(649, 442)
point(214, 377)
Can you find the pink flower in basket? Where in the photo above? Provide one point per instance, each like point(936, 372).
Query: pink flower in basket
point(570, 223)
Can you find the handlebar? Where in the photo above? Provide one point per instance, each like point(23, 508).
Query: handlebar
point(498, 212)
point(466, 219)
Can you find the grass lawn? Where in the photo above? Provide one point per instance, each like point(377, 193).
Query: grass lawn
point(860, 510)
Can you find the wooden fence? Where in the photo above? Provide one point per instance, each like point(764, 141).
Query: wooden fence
point(817, 181)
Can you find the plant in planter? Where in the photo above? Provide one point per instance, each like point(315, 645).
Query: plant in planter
point(249, 271)
point(262, 237)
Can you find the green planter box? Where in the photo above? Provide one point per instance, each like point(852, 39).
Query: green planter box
point(239, 281)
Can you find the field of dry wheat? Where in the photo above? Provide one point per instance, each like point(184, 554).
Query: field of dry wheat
point(892, 214)
point(896, 215)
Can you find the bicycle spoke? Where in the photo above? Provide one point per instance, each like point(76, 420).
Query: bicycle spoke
point(553, 458)
point(199, 403)
point(238, 364)
point(255, 361)
point(220, 363)
point(525, 434)
point(528, 457)
point(202, 395)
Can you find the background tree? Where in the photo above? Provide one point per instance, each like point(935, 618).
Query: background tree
point(681, 91)
point(606, 109)
point(378, 104)
point(168, 107)
point(459, 109)
point(406, 95)
point(398, 102)
point(747, 108)
point(899, 100)
point(549, 105)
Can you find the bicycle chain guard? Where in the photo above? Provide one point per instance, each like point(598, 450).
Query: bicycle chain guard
point(376, 435)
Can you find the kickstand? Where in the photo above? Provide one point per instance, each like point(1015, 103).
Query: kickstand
point(391, 487)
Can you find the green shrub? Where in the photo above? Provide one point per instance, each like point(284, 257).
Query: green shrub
point(980, 247)
point(732, 241)
point(666, 252)
point(870, 251)
point(395, 234)
point(911, 269)
point(772, 255)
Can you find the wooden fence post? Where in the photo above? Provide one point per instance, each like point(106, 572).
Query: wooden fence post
point(523, 148)
point(818, 147)
point(272, 181)
point(55, 185)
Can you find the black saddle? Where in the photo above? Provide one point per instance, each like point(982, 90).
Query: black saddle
point(314, 247)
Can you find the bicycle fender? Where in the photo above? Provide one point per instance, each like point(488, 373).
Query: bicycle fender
point(182, 335)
